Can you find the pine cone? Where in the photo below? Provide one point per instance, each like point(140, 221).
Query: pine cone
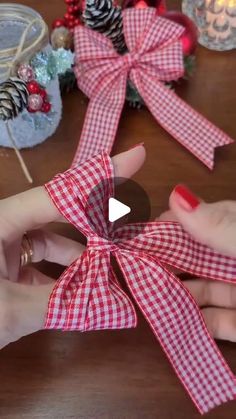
point(13, 98)
point(102, 16)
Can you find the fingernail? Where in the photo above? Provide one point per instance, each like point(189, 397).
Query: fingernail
point(186, 199)
point(136, 145)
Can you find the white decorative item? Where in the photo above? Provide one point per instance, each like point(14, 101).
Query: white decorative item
point(216, 22)
point(24, 35)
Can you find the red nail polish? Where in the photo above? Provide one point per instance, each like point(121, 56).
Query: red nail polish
point(190, 200)
point(136, 145)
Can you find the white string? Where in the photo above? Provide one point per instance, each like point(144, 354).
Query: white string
point(20, 51)
point(31, 49)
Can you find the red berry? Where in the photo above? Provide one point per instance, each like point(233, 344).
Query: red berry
point(76, 8)
point(67, 16)
point(46, 107)
point(70, 9)
point(69, 1)
point(77, 22)
point(71, 24)
point(58, 23)
point(33, 87)
point(31, 110)
point(43, 94)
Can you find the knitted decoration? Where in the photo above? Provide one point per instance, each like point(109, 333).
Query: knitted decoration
point(13, 98)
point(102, 16)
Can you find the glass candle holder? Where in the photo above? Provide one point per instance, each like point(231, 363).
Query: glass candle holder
point(28, 129)
point(216, 22)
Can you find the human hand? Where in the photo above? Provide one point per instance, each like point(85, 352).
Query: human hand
point(24, 293)
point(215, 226)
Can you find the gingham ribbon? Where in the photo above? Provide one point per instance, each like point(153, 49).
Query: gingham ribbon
point(155, 56)
point(89, 297)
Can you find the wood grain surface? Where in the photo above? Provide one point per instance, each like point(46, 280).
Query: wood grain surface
point(118, 374)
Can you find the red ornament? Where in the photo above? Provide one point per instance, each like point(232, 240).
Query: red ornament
point(43, 94)
point(33, 87)
point(190, 35)
point(46, 107)
point(58, 23)
point(141, 4)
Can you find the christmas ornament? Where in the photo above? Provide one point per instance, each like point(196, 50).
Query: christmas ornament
point(48, 66)
point(28, 36)
point(61, 38)
point(13, 98)
point(216, 22)
point(89, 297)
point(144, 32)
point(104, 17)
point(190, 36)
point(35, 102)
point(25, 72)
point(159, 5)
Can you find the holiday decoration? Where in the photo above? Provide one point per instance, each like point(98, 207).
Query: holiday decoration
point(25, 72)
point(88, 295)
point(29, 111)
point(13, 98)
point(104, 17)
point(61, 38)
point(216, 21)
point(190, 36)
point(155, 56)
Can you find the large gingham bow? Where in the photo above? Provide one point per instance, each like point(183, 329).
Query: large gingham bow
point(155, 56)
point(88, 295)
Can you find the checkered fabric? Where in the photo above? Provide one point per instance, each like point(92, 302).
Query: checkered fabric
point(155, 56)
point(88, 296)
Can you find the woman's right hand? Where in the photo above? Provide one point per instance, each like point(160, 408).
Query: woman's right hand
point(215, 226)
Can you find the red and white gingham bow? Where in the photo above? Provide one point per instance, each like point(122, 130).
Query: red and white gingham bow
point(155, 56)
point(88, 295)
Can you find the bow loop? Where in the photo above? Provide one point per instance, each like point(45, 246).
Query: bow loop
point(145, 31)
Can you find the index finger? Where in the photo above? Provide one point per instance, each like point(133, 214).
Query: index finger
point(34, 208)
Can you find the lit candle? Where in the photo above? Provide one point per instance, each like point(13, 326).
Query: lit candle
point(221, 18)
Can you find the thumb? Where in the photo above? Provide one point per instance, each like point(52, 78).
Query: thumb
point(211, 224)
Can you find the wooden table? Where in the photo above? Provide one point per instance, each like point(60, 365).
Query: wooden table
point(118, 374)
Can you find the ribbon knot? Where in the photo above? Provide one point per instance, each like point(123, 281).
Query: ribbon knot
point(100, 244)
point(131, 60)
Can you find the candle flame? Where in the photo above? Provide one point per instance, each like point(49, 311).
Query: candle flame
point(229, 3)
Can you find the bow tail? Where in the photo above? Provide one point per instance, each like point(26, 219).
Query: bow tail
point(88, 297)
point(186, 125)
point(179, 326)
point(102, 118)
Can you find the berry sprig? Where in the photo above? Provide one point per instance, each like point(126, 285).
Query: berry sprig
point(38, 97)
point(72, 15)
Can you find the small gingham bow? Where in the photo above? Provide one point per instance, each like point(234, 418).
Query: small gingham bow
point(88, 295)
point(155, 56)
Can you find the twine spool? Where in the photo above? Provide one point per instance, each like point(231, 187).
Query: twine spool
point(24, 34)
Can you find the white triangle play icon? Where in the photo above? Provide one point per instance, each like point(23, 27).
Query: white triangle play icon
point(117, 210)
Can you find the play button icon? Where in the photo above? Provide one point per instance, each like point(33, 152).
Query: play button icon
point(117, 210)
point(126, 202)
